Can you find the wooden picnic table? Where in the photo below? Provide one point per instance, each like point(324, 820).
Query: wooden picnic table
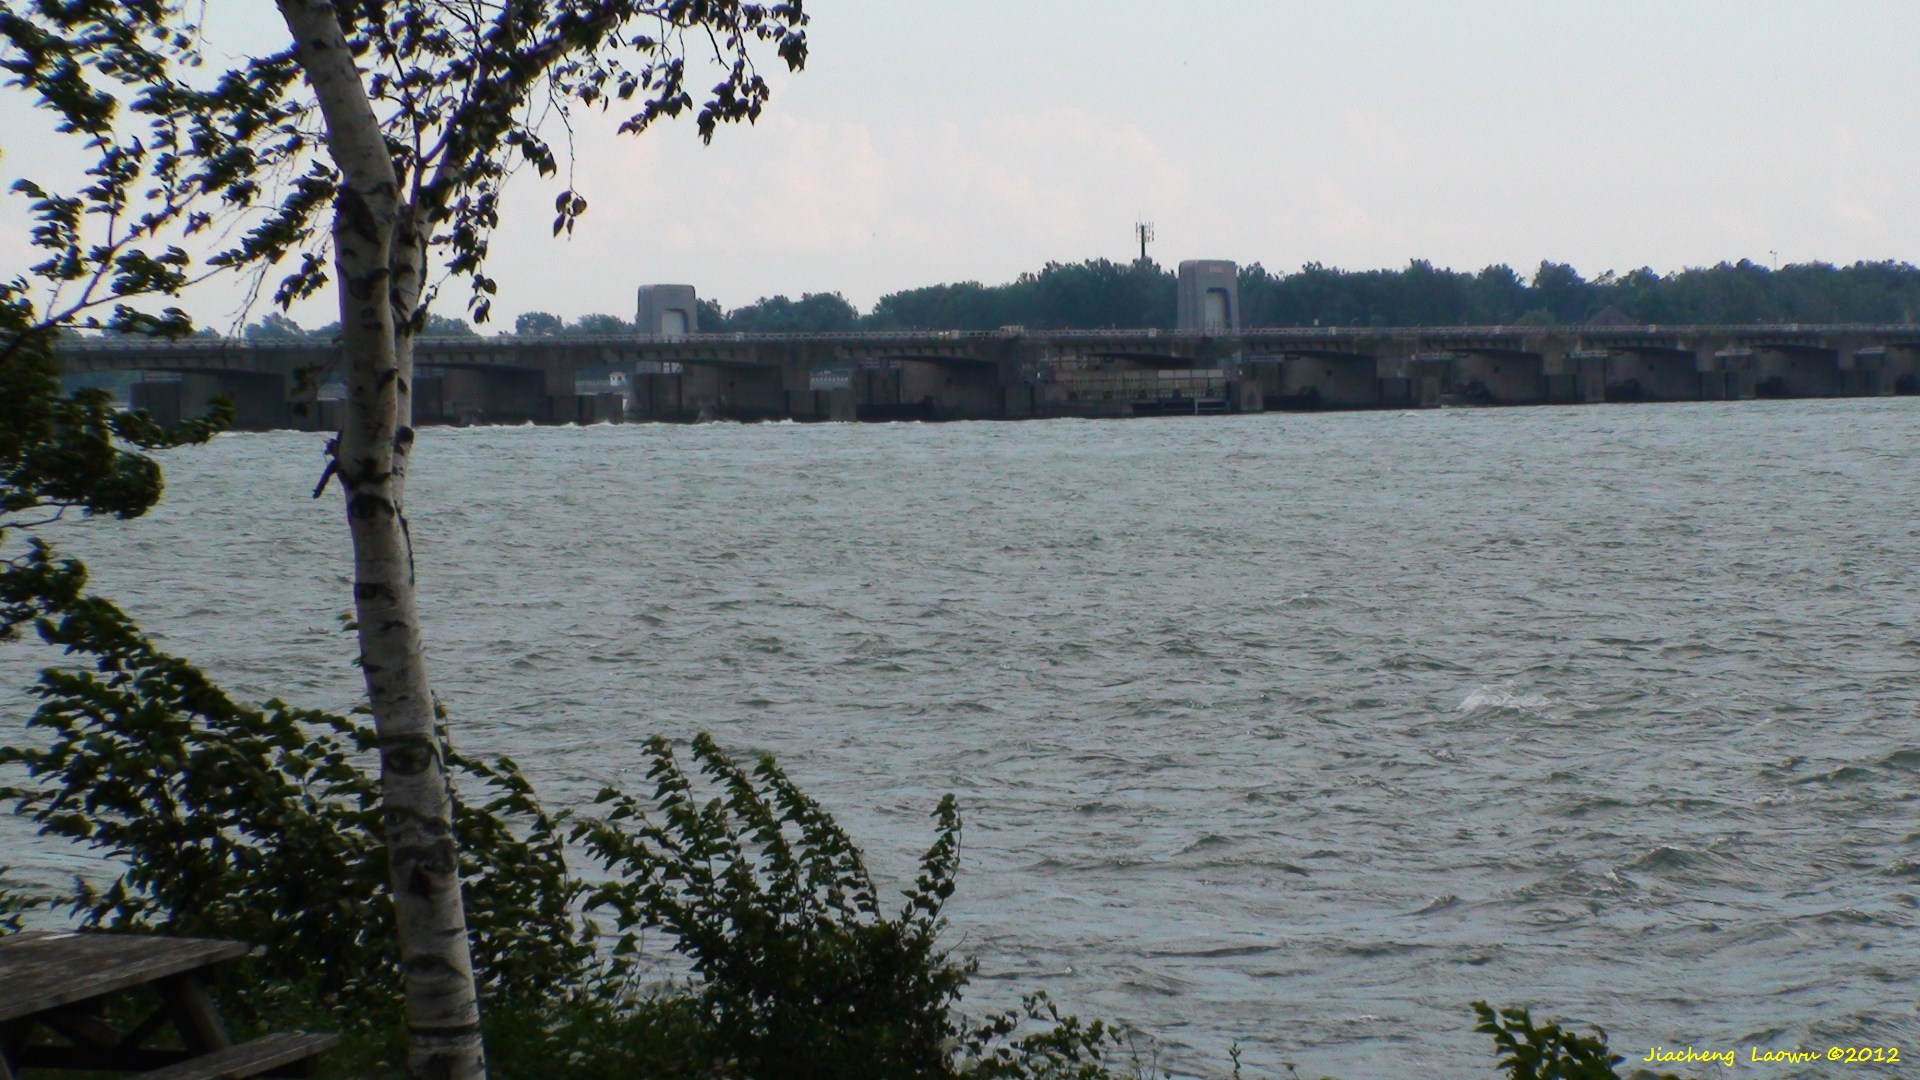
point(61, 984)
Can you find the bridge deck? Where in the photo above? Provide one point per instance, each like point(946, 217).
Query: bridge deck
point(1016, 372)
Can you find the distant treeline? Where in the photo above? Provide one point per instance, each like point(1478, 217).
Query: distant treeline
point(1099, 293)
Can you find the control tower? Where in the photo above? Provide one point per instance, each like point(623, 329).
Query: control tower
point(667, 311)
point(1209, 298)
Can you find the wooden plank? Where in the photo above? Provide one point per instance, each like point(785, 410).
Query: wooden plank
point(267, 1054)
point(194, 1014)
point(41, 971)
point(82, 1028)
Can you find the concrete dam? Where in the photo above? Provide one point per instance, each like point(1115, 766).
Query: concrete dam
point(1013, 373)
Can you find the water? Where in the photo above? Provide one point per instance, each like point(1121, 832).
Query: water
point(1301, 731)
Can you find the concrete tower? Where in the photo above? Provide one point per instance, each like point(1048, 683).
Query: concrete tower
point(1209, 296)
point(667, 311)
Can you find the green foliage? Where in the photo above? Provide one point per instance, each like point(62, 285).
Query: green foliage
point(443, 326)
point(543, 324)
point(14, 904)
point(771, 903)
point(1545, 1051)
point(259, 823)
point(1098, 293)
point(275, 326)
point(1002, 1047)
point(797, 971)
point(99, 69)
point(601, 1032)
point(180, 148)
point(1094, 294)
point(61, 452)
point(1420, 295)
point(537, 324)
point(813, 313)
point(600, 325)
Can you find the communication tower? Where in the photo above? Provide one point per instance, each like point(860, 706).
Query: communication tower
point(1144, 230)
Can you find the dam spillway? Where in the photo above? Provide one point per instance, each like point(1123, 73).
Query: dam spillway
point(1014, 373)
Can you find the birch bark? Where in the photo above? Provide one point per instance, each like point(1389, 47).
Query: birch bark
point(379, 259)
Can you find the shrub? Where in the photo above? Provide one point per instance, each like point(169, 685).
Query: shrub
point(798, 971)
point(258, 823)
point(1546, 1051)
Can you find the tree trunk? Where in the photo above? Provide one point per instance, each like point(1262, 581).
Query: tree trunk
point(374, 236)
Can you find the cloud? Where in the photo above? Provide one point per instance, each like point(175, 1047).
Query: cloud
point(829, 191)
point(1341, 215)
point(818, 204)
point(1020, 188)
point(1375, 138)
point(1853, 209)
point(1856, 189)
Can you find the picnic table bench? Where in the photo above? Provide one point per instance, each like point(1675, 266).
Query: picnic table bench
point(62, 983)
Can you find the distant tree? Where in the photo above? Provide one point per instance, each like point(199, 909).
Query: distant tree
point(537, 324)
point(329, 332)
point(600, 326)
point(1423, 296)
point(445, 326)
point(967, 305)
point(1101, 293)
point(1561, 290)
point(813, 313)
point(1329, 294)
point(275, 327)
point(1495, 296)
point(1642, 295)
point(1260, 298)
point(962, 306)
point(712, 319)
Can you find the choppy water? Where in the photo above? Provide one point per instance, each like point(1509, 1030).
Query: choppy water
point(1301, 731)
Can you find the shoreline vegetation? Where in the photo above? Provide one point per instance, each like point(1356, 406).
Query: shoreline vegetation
point(1100, 294)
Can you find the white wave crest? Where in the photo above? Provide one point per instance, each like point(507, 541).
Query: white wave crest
point(1503, 696)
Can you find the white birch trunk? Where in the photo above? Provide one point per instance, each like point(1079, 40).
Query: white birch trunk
point(408, 263)
point(370, 221)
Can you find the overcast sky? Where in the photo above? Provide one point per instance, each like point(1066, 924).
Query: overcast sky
point(975, 139)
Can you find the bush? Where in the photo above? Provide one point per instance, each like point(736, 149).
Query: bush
point(1546, 1051)
point(798, 972)
point(773, 907)
point(259, 823)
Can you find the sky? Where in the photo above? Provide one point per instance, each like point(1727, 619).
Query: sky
point(931, 142)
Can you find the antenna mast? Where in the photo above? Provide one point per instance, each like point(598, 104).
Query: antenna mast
point(1144, 230)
